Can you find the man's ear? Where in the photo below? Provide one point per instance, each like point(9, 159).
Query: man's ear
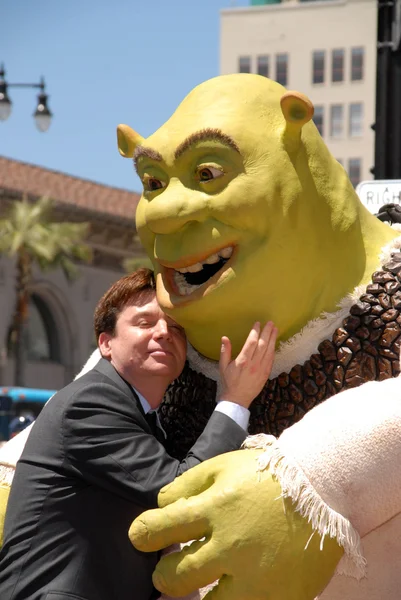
point(127, 140)
point(104, 344)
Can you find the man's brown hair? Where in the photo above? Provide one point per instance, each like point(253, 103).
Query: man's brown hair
point(127, 290)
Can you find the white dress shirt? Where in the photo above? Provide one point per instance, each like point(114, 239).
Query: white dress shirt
point(237, 413)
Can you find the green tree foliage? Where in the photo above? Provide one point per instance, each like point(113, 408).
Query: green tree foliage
point(134, 263)
point(29, 233)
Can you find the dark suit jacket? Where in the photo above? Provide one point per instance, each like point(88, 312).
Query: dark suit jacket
point(90, 466)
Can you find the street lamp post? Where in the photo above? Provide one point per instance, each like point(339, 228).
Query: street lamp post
point(42, 114)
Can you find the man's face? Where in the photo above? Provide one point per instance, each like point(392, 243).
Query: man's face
point(146, 342)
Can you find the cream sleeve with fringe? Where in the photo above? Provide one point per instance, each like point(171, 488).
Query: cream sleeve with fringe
point(341, 465)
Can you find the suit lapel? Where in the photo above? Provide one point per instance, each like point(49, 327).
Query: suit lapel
point(106, 368)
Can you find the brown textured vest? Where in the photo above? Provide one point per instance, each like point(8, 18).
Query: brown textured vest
point(366, 347)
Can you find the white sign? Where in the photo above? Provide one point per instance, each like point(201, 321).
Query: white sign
point(374, 194)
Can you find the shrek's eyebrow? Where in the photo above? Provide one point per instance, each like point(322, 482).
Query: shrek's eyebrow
point(206, 135)
point(145, 151)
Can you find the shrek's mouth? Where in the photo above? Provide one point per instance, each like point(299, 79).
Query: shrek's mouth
point(188, 279)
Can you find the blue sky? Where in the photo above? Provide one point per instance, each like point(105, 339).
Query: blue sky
point(104, 63)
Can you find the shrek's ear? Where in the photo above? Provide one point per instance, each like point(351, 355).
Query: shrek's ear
point(297, 110)
point(127, 140)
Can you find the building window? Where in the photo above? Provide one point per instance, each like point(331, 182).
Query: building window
point(282, 69)
point(318, 66)
point(354, 170)
point(337, 65)
point(357, 60)
point(318, 118)
point(336, 121)
point(263, 66)
point(244, 64)
point(356, 120)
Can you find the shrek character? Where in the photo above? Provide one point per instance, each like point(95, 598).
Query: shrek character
point(246, 215)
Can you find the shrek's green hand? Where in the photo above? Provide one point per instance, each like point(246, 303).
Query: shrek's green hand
point(246, 535)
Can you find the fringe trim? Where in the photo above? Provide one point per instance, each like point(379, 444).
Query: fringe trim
point(293, 351)
point(6, 475)
point(298, 348)
point(324, 520)
point(201, 364)
point(90, 363)
point(395, 244)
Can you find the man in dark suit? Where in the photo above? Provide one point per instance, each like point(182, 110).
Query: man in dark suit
point(93, 461)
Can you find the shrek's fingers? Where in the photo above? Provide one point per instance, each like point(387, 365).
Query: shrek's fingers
point(228, 589)
point(192, 482)
point(194, 567)
point(179, 522)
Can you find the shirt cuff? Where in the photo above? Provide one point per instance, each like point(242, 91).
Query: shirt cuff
point(239, 414)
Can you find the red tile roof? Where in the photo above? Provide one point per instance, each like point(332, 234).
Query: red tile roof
point(19, 177)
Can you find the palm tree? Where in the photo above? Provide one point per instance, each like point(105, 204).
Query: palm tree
point(29, 234)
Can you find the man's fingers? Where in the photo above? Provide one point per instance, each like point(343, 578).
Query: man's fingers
point(225, 354)
point(191, 483)
point(263, 341)
point(251, 343)
point(156, 529)
point(272, 343)
point(195, 566)
point(266, 334)
point(269, 336)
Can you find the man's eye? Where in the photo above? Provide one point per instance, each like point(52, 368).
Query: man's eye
point(152, 184)
point(209, 173)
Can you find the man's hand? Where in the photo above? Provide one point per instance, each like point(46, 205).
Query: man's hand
point(246, 535)
point(243, 378)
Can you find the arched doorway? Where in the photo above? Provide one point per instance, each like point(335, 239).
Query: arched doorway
point(41, 338)
point(48, 340)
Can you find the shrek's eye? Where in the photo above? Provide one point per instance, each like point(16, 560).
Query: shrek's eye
point(209, 173)
point(152, 184)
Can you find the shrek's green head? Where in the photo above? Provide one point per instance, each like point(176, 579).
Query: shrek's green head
point(245, 214)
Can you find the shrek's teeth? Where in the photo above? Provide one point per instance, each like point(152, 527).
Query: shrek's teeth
point(184, 288)
point(195, 268)
point(226, 252)
point(210, 260)
point(189, 279)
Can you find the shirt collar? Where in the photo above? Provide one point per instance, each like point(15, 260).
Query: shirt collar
point(144, 403)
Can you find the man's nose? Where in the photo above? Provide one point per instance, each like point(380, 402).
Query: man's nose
point(161, 329)
point(175, 207)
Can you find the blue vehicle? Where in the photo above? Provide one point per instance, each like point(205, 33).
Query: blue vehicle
point(19, 407)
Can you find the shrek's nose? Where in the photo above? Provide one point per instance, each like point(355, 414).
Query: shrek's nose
point(175, 207)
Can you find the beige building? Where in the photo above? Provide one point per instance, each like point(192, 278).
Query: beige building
point(59, 336)
point(325, 49)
